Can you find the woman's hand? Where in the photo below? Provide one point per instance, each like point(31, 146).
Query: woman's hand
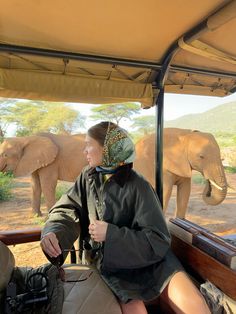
point(98, 230)
point(50, 244)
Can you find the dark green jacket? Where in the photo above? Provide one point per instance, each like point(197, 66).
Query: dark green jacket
point(135, 260)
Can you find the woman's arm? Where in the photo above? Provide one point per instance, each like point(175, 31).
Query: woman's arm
point(62, 227)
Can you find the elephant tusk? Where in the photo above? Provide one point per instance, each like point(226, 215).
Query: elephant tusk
point(216, 185)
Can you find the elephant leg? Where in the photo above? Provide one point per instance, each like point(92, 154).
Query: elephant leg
point(183, 193)
point(48, 180)
point(167, 189)
point(36, 194)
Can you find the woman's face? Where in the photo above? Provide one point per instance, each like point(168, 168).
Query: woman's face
point(93, 151)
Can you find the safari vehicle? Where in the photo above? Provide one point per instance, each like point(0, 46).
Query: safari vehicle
point(118, 51)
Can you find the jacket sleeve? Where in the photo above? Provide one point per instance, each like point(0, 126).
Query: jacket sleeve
point(64, 216)
point(146, 242)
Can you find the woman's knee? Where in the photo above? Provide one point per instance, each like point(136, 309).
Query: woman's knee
point(134, 306)
point(183, 296)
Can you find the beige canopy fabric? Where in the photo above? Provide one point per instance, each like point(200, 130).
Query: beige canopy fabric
point(141, 31)
point(55, 87)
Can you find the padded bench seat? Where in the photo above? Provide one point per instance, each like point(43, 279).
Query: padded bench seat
point(90, 296)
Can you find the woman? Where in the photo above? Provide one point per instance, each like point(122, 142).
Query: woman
point(122, 226)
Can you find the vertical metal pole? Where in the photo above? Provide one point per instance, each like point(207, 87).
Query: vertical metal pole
point(159, 145)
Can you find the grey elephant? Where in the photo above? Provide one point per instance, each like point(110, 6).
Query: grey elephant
point(47, 158)
point(184, 150)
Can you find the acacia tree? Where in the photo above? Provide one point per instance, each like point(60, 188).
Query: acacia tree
point(38, 116)
point(114, 112)
point(4, 105)
point(144, 125)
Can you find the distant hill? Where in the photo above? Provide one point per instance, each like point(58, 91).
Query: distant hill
point(221, 118)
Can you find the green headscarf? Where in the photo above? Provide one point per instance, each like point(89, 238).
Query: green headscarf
point(118, 148)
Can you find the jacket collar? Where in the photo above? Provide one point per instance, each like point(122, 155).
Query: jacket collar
point(120, 176)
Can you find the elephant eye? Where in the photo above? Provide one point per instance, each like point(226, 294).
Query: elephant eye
point(3, 155)
point(201, 156)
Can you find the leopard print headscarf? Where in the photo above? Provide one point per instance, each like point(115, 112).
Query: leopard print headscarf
point(118, 148)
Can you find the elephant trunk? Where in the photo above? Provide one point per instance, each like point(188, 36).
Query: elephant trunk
point(214, 193)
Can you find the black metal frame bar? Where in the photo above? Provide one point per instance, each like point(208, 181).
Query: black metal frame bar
point(108, 60)
point(176, 68)
point(77, 56)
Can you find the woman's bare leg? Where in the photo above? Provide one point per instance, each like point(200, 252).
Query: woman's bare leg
point(133, 307)
point(183, 297)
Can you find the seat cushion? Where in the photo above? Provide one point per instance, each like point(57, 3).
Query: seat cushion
point(90, 296)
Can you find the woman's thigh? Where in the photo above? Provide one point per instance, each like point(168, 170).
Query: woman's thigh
point(183, 296)
point(133, 307)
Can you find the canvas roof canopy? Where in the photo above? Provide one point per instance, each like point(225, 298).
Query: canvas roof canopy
point(116, 51)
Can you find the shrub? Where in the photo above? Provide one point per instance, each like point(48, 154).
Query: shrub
point(5, 186)
point(230, 169)
point(40, 220)
point(198, 179)
point(61, 189)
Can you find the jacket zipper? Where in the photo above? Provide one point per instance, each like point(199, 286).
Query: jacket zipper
point(101, 205)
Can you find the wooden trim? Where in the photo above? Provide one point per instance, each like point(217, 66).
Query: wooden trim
point(12, 237)
point(200, 264)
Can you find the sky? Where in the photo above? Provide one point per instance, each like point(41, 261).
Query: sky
point(179, 105)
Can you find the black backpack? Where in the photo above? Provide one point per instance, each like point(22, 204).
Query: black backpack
point(34, 290)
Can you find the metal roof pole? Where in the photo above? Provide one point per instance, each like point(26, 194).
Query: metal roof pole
point(77, 56)
point(159, 144)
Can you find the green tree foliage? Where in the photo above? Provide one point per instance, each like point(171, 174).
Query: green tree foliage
point(225, 139)
point(114, 112)
point(144, 124)
point(4, 104)
point(38, 116)
point(5, 186)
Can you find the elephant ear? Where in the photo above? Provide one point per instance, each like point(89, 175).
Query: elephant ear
point(176, 155)
point(37, 152)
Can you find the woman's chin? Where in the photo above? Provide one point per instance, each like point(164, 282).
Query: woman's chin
point(91, 164)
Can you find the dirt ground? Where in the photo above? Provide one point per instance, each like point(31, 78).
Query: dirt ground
point(16, 214)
